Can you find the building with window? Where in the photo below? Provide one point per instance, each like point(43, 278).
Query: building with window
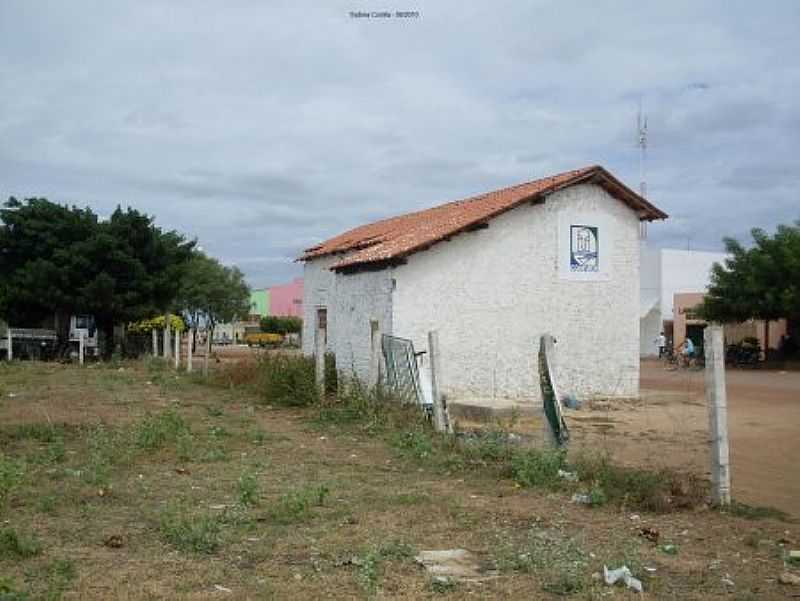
point(492, 273)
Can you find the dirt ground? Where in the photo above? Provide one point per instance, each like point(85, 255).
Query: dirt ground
point(669, 427)
point(103, 466)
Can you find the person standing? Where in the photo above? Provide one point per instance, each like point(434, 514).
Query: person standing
point(661, 343)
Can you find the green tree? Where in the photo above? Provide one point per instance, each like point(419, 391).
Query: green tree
point(212, 293)
point(759, 282)
point(63, 260)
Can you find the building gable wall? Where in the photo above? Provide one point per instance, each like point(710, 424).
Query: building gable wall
point(492, 293)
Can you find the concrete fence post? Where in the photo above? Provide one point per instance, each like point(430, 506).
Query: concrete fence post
point(716, 398)
point(319, 358)
point(81, 347)
point(189, 344)
point(177, 349)
point(167, 338)
point(375, 354)
point(441, 420)
point(10, 355)
point(154, 331)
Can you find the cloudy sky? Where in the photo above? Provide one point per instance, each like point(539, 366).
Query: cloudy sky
point(263, 127)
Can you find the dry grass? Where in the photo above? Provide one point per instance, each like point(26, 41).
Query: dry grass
point(142, 484)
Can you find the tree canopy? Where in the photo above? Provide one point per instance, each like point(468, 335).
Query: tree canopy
point(61, 260)
point(212, 293)
point(758, 282)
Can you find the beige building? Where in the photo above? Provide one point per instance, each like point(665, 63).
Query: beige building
point(687, 323)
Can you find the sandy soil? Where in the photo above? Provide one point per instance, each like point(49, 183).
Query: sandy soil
point(669, 427)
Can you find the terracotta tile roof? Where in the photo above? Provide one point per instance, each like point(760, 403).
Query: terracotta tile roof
point(390, 240)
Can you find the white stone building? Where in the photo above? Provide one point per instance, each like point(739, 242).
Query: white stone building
point(665, 273)
point(492, 274)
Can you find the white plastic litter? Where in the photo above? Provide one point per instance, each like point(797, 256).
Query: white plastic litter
point(581, 498)
point(568, 476)
point(612, 576)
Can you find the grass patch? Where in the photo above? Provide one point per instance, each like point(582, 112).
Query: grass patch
point(12, 472)
point(278, 378)
point(370, 563)
point(156, 431)
point(296, 505)
point(197, 534)
point(15, 546)
point(658, 491)
point(560, 563)
point(755, 512)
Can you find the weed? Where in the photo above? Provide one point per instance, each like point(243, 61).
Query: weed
point(659, 491)
point(215, 411)
point(416, 444)
point(106, 447)
point(370, 562)
point(14, 546)
point(538, 467)
point(559, 562)
point(156, 431)
point(247, 489)
point(442, 585)
point(184, 446)
point(489, 447)
point(11, 474)
point(191, 533)
point(287, 380)
point(9, 592)
point(295, 505)
point(755, 512)
point(57, 576)
point(42, 432)
point(47, 503)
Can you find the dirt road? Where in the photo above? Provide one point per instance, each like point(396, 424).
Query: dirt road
point(669, 426)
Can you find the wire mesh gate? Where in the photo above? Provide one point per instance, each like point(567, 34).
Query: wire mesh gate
point(402, 371)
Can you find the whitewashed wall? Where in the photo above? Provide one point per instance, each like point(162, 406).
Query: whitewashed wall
point(352, 302)
point(493, 292)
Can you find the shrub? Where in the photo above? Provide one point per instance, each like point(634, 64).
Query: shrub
point(276, 324)
point(287, 380)
point(538, 467)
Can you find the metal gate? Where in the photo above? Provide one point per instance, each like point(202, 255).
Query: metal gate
point(402, 371)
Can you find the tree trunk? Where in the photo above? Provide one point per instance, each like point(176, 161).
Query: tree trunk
point(62, 318)
point(106, 326)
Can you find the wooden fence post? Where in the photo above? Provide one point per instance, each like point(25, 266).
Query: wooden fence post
point(189, 343)
point(177, 349)
point(154, 332)
point(81, 347)
point(716, 398)
point(10, 355)
point(208, 352)
point(441, 420)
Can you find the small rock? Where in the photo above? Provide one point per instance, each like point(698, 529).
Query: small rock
point(222, 589)
point(114, 541)
point(298, 577)
point(789, 578)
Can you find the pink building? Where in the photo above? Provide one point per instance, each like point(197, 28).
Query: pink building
point(287, 299)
